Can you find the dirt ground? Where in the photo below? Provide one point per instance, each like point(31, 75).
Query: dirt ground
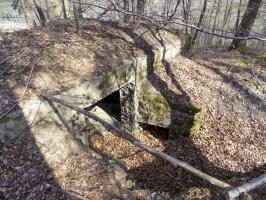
point(230, 144)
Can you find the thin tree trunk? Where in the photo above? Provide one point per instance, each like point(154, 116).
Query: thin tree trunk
point(42, 19)
point(238, 15)
point(246, 23)
point(202, 14)
point(80, 9)
point(134, 7)
point(141, 6)
point(48, 10)
point(76, 16)
point(208, 36)
point(166, 8)
point(227, 14)
point(64, 9)
point(215, 19)
point(126, 7)
point(186, 10)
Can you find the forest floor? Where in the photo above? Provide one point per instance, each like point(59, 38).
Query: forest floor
point(230, 144)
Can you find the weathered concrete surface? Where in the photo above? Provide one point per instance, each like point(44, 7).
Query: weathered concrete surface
point(129, 107)
point(36, 117)
point(155, 109)
point(112, 58)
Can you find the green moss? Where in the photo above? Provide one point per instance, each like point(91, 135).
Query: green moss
point(261, 56)
point(242, 63)
point(154, 106)
point(264, 89)
point(195, 125)
point(185, 119)
point(121, 74)
point(192, 108)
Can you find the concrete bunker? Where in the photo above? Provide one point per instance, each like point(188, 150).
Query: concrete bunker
point(107, 59)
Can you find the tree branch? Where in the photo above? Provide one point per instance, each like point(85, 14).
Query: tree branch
point(122, 133)
point(235, 192)
point(182, 23)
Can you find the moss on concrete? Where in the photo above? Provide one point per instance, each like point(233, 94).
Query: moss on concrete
point(184, 119)
point(153, 106)
point(242, 63)
point(195, 125)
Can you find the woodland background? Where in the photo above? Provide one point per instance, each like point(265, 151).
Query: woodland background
point(212, 18)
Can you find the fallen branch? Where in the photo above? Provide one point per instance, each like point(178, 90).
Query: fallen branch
point(122, 133)
point(235, 192)
point(61, 118)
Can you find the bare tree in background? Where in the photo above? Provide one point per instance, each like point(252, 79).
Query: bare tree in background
point(77, 21)
point(141, 6)
point(41, 14)
point(238, 15)
point(126, 8)
point(47, 9)
point(64, 9)
point(246, 23)
point(202, 14)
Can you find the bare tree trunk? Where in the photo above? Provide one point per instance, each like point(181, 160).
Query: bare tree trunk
point(64, 9)
point(76, 16)
point(48, 11)
point(215, 19)
point(40, 13)
point(166, 7)
point(208, 36)
point(227, 14)
point(134, 7)
point(202, 14)
point(141, 6)
point(246, 23)
point(126, 7)
point(80, 9)
point(238, 15)
point(186, 11)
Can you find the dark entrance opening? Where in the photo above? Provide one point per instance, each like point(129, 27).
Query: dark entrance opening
point(158, 132)
point(111, 105)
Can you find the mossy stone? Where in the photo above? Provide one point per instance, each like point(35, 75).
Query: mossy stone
point(184, 119)
point(154, 106)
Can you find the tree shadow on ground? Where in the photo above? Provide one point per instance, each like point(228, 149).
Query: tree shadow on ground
point(161, 178)
point(25, 174)
point(255, 100)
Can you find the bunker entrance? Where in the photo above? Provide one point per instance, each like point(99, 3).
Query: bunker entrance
point(111, 105)
point(158, 132)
